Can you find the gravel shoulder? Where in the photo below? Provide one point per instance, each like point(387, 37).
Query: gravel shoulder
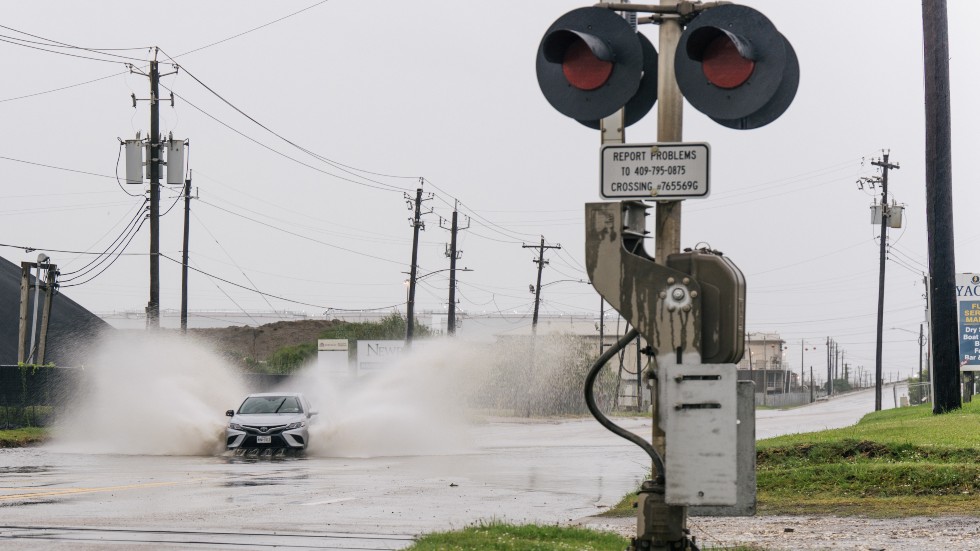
point(804, 533)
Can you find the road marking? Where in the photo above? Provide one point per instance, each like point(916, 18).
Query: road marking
point(328, 501)
point(71, 491)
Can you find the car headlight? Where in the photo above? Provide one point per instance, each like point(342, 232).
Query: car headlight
point(235, 426)
point(296, 425)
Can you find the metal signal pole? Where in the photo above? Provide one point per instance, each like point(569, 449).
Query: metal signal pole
point(670, 124)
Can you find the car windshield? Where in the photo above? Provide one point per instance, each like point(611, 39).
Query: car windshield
point(270, 404)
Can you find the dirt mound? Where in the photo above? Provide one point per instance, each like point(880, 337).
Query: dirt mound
point(239, 343)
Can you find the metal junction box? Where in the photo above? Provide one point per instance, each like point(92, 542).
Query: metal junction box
point(698, 407)
point(722, 303)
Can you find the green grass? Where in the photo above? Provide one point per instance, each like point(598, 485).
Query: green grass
point(17, 438)
point(495, 536)
point(898, 462)
point(508, 537)
point(913, 425)
point(893, 463)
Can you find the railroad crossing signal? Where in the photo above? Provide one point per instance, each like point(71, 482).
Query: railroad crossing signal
point(591, 63)
point(735, 67)
point(731, 64)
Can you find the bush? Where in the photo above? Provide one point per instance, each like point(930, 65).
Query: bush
point(289, 358)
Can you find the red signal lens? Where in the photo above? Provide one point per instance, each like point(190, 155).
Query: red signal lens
point(723, 65)
point(583, 69)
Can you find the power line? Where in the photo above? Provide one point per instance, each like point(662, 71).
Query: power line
point(59, 53)
point(340, 166)
point(895, 249)
point(220, 246)
point(179, 55)
point(30, 249)
point(109, 265)
point(262, 26)
point(359, 253)
point(367, 236)
point(809, 259)
point(56, 167)
point(277, 297)
point(281, 154)
point(906, 265)
point(487, 223)
point(112, 246)
point(56, 43)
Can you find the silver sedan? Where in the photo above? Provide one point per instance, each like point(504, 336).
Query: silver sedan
point(270, 420)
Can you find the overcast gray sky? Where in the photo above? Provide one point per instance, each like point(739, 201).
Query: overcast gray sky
point(393, 91)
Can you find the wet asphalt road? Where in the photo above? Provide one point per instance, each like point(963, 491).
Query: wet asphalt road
point(545, 472)
point(522, 472)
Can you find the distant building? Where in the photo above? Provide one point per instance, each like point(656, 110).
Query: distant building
point(765, 364)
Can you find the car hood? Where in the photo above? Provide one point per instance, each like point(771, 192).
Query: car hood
point(267, 419)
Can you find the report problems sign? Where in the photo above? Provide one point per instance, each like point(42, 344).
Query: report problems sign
point(663, 171)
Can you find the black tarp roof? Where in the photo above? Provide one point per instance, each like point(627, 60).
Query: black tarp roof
point(72, 330)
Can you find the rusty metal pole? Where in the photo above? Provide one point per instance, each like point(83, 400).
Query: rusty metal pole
point(670, 121)
point(659, 524)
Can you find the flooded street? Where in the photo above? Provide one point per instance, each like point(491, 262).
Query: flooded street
point(510, 470)
point(520, 472)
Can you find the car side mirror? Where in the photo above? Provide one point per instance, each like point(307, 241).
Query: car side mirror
point(312, 413)
point(230, 413)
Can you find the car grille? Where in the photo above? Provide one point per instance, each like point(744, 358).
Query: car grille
point(263, 429)
point(277, 442)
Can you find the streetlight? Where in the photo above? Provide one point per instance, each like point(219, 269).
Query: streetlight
point(537, 298)
point(451, 321)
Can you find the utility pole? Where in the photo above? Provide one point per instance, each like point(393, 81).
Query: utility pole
point(939, 209)
point(153, 307)
point(885, 166)
point(50, 286)
point(830, 382)
point(417, 224)
point(602, 324)
point(921, 342)
point(33, 352)
point(154, 163)
point(843, 365)
point(839, 364)
point(802, 364)
point(540, 261)
point(453, 255)
point(812, 387)
point(183, 274)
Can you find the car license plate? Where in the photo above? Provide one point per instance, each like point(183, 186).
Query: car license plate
point(263, 439)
